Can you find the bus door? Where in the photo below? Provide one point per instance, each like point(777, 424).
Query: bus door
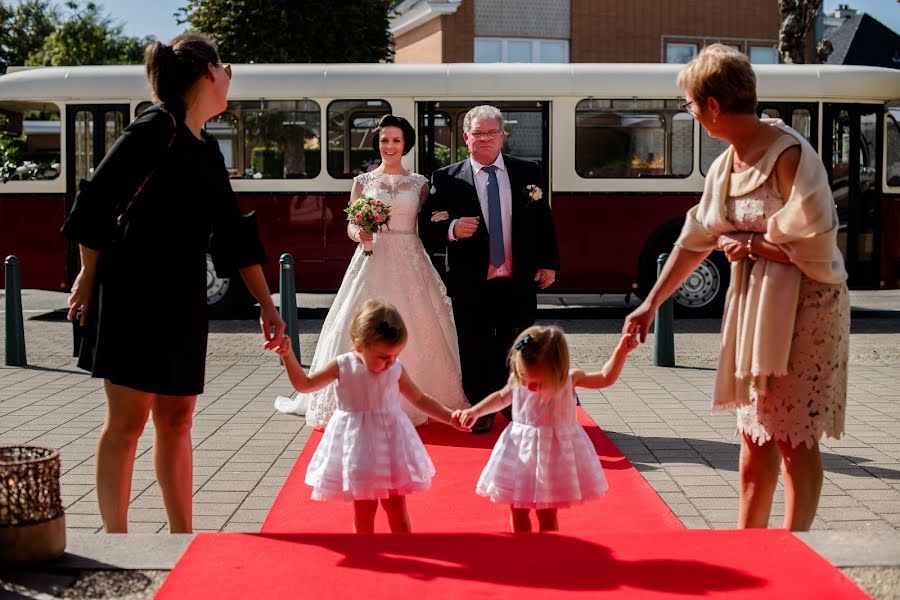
point(852, 146)
point(91, 130)
point(440, 138)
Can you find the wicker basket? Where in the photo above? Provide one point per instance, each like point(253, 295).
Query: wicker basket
point(32, 522)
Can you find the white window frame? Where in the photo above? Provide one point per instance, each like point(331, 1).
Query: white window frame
point(535, 48)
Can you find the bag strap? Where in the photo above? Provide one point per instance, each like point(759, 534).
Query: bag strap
point(120, 220)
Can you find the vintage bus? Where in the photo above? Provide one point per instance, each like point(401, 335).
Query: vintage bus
point(621, 161)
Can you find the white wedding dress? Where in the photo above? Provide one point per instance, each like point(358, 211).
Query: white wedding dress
point(401, 273)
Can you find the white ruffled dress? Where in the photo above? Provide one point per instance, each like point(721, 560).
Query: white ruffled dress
point(370, 448)
point(544, 458)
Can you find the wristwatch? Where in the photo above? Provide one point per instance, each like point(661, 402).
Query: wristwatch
point(749, 245)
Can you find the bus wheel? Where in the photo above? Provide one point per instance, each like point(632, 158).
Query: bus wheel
point(703, 293)
point(225, 295)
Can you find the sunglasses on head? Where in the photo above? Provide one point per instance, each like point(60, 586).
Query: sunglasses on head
point(227, 69)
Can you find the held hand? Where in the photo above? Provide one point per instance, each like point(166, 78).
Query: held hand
point(467, 418)
point(439, 215)
point(628, 342)
point(545, 278)
point(465, 227)
point(637, 324)
point(282, 347)
point(272, 326)
point(456, 421)
point(81, 297)
point(362, 236)
point(734, 245)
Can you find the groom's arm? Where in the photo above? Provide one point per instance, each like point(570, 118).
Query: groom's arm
point(546, 248)
point(434, 233)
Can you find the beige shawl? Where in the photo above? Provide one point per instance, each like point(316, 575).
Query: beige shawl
point(761, 303)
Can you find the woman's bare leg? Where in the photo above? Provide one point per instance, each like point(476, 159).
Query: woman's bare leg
point(803, 475)
point(364, 516)
point(398, 517)
point(758, 473)
point(173, 458)
point(126, 415)
point(520, 520)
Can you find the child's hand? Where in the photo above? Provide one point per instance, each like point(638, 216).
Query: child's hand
point(282, 347)
point(628, 342)
point(467, 418)
point(456, 421)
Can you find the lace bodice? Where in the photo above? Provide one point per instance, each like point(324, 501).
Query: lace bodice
point(405, 194)
point(751, 211)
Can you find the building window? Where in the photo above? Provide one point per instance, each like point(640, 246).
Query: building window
point(760, 55)
point(680, 53)
point(633, 138)
point(519, 50)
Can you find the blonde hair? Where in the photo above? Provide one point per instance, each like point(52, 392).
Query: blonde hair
point(377, 321)
point(542, 347)
point(722, 73)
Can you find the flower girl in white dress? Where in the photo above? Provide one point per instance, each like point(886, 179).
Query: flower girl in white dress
point(399, 272)
point(544, 460)
point(370, 450)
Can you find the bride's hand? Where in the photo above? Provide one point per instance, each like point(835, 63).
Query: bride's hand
point(362, 236)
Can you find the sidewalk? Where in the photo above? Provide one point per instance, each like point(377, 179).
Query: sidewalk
point(658, 417)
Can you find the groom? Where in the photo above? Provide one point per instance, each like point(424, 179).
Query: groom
point(501, 248)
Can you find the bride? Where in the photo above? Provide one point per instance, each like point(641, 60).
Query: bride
point(399, 272)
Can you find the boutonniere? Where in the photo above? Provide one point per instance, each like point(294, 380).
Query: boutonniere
point(533, 193)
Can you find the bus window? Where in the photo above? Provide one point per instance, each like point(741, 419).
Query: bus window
point(113, 121)
point(710, 149)
point(442, 133)
point(801, 120)
point(892, 147)
point(29, 141)
point(281, 138)
point(632, 138)
point(350, 130)
point(84, 144)
point(771, 113)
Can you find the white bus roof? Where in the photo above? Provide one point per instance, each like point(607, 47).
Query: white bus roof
point(448, 81)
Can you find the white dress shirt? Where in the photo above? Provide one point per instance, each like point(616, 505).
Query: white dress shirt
point(481, 181)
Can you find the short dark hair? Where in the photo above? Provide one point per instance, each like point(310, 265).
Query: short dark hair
point(409, 134)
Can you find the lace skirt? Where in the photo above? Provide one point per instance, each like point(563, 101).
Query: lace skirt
point(812, 398)
point(542, 467)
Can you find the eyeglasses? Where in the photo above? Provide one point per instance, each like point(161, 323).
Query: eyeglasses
point(686, 106)
point(227, 69)
point(485, 134)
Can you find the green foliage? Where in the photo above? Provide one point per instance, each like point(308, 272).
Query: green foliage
point(303, 31)
point(23, 29)
point(88, 37)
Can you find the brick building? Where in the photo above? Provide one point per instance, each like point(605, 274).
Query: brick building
point(435, 31)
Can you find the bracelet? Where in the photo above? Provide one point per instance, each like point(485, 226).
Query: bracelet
point(750, 254)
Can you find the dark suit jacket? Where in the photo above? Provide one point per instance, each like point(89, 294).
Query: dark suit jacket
point(533, 233)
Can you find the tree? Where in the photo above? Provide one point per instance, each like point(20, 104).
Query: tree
point(797, 16)
point(88, 37)
point(23, 30)
point(279, 31)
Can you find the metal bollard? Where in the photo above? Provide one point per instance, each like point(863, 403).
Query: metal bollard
point(15, 324)
point(664, 330)
point(288, 291)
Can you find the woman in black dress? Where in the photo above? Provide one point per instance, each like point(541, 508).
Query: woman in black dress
point(156, 204)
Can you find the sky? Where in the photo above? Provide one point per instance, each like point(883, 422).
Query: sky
point(156, 17)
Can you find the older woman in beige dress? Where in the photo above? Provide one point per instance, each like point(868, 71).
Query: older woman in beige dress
point(767, 205)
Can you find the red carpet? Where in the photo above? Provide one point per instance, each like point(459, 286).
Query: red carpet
point(452, 505)
point(749, 564)
point(627, 544)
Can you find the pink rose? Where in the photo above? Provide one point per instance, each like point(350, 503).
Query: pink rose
point(358, 217)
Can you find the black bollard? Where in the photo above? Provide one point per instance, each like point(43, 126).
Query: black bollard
point(288, 292)
point(15, 324)
point(664, 329)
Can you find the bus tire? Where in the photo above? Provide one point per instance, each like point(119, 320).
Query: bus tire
point(225, 295)
point(702, 294)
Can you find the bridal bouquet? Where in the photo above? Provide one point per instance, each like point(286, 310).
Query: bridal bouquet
point(370, 215)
